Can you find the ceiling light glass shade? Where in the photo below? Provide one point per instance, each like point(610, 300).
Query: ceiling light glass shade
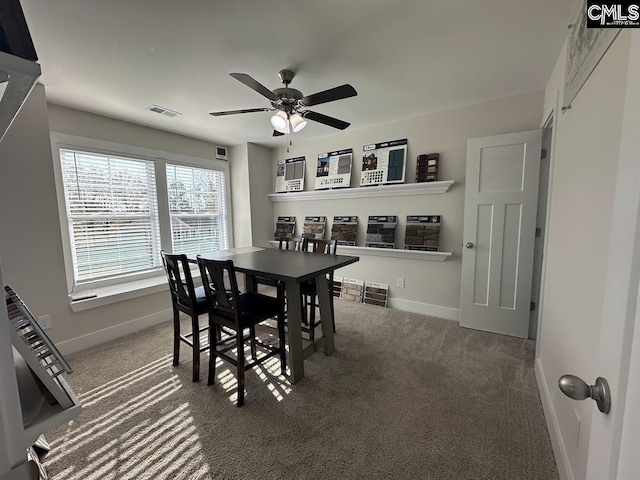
point(280, 122)
point(298, 122)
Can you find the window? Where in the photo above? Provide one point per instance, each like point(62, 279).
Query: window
point(196, 206)
point(112, 214)
point(118, 210)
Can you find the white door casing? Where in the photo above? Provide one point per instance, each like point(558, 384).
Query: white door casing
point(501, 197)
point(613, 446)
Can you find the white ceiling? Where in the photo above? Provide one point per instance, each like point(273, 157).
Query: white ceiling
point(404, 57)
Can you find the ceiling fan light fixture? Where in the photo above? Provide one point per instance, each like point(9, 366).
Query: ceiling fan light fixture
point(297, 122)
point(280, 122)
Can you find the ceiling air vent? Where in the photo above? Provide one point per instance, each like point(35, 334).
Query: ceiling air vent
point(163, 111)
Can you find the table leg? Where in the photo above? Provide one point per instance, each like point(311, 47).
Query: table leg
point(294, 324)
point(322, 286)
point(250, 283)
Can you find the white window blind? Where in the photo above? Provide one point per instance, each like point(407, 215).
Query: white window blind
point(197, 205)
point(112, 214)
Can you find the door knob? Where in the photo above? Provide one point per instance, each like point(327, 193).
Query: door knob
point(576, 388)
point(469, 245)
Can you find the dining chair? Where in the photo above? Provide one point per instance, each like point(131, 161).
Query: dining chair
point(186, 298)
point(238, 312)
point(284, 243)
point(308, 289)
point(289, 243)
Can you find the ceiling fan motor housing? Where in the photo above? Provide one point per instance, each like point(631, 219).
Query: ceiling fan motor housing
point(288, 99)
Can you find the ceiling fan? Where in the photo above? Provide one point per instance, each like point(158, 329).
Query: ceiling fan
point(289, 104)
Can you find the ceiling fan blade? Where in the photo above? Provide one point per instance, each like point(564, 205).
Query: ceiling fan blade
point(234, 112)
point(276, 133)
point(320, 118)
point(337, 93)
point(255, 85)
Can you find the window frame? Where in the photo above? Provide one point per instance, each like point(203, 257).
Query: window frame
point(160, 160)
point(219, 215)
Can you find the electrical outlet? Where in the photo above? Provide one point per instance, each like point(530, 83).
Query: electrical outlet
point(45, 322)
point(575, 428)
point(400, 282)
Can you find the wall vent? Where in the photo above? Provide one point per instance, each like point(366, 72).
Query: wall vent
point(163, 111)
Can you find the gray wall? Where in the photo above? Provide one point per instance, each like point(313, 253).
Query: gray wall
point(30, 240)
point(427, 282)
point(240, 195)
point(262, 225)
point(250, 166)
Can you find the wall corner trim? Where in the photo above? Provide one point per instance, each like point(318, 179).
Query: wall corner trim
point(559, 450)
point(447, 313)
point(111, 333)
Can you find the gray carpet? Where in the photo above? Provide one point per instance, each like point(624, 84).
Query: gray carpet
point(403, 396)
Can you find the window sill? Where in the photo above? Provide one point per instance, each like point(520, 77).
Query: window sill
point(119, 293)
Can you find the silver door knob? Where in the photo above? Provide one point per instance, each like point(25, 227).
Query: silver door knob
point(576, 388)
point(469, 245)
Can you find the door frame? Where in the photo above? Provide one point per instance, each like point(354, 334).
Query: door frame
point(550, 120)
point(607, 452)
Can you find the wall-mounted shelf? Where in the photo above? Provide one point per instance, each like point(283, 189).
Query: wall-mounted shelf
point(424, 188)
point(389, 253)
point(394, 253)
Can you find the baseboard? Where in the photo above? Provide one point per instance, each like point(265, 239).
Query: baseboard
point(110, 333)
point(559, 450)
point(447, 313)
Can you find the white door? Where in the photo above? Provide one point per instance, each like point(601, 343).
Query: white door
point(614, 438)
point(501, 199)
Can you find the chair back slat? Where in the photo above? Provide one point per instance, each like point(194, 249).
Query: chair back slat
point(318, 245)
point(215, 274)
point(179, 276)
point(288, 243)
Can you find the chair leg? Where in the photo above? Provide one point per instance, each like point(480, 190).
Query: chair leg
point(304, 309)
point(195, 328)
point(176, 337)
point(312, 319)
point(283, 352)
point(213, 348)
point(252, 334)
point(281, 293)
point(240, 346)
point(333, 313)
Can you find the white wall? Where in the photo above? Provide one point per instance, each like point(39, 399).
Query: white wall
point(427, 283)
point(262, 226)
point(30, 240)
point(250, 166)
point(240, 195)
point(584, 172)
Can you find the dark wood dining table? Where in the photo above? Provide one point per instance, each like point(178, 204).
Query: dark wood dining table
point(292, 268)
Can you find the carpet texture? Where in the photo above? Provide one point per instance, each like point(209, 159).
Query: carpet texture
point(403, 397)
